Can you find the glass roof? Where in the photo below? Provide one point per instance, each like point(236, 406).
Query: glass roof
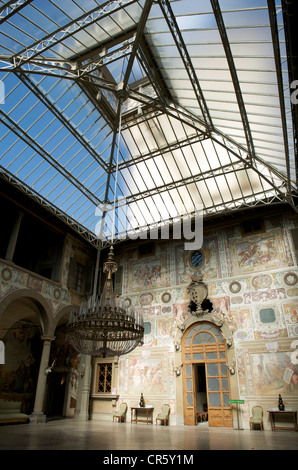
point(146, 110)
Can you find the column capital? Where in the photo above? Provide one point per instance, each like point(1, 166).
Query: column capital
point(48, 338)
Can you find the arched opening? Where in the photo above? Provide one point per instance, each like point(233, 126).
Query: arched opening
point(62, 355)
point(21, 329)
point(61, 391)
point(205, 375)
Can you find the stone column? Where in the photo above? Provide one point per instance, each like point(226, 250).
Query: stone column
point(38, 415)
point(84, 386)
point(82, 405)
point(14, 237)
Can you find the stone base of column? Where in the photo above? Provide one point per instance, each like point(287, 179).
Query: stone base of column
point(37, 418)
point(81, 416)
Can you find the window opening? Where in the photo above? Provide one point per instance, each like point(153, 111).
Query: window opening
point(197, 258)
point(253, 226)
point(79, 277)
point(104, 378)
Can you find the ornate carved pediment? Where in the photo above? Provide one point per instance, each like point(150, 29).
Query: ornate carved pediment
point(200, 306)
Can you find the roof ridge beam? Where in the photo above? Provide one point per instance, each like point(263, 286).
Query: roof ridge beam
point(180, 44)
point(232, 67)
point(277, 58)
point(138, 37)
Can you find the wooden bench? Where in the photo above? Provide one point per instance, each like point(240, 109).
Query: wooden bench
point(10, 412)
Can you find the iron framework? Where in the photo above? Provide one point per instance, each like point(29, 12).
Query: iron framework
point(202, 91)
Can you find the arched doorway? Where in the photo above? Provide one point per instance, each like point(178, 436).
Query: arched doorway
point(205, 375)
point(21, 330)
point(62, 357)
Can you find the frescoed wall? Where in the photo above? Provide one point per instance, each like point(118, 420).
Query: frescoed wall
point(19, 374)
point(252, 282)
point(35, 303)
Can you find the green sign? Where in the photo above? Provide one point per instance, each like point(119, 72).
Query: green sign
point(237, 401)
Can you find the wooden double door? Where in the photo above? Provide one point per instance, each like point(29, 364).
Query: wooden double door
point(205, 375)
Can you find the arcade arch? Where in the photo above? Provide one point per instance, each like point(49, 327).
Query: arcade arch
point(28, 329)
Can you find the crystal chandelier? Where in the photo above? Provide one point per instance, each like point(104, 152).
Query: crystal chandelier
point(100, 327)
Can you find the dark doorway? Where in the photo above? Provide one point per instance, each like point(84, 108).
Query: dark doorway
point(201, 393)
point(55, 394)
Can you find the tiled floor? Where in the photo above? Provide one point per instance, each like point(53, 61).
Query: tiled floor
point(69, 434)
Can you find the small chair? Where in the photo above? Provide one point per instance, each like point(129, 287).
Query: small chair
point(202, 416)
point(121, 413)
point(164, 415)
point(257, 417)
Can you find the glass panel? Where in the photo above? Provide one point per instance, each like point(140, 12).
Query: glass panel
point(214, 399)
point(188, 371)
point(226, 398)
point(213, 384)
point(189, 384)
point(211, 355)
point(249, 34)
point(225, 384)
point(189, 399)
point(203, 338)
point(193, 331)
point(223, 369)
point(104, 378)
point(198, 357)
point(212, 370)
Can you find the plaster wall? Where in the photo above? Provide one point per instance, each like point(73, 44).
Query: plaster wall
point(252, 283)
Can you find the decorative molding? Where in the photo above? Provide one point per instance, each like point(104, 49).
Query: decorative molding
point(6, 274)
point(166, 297)
point(290, 279)
point(235, 287)
point(105, 396)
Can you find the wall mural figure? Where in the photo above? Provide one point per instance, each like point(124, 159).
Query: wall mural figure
point(18, 376)
point(274, 373)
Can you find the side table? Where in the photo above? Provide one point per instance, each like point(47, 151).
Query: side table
point(287, 411)
point(139, 410)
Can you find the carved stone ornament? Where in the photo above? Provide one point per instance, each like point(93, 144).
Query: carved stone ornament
point(197, 292)
point(6, 274)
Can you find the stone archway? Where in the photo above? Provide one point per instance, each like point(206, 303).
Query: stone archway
point(24, 317)
point(203, 346)
point(200, 311)
point(61, 387)
point(39, 306)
